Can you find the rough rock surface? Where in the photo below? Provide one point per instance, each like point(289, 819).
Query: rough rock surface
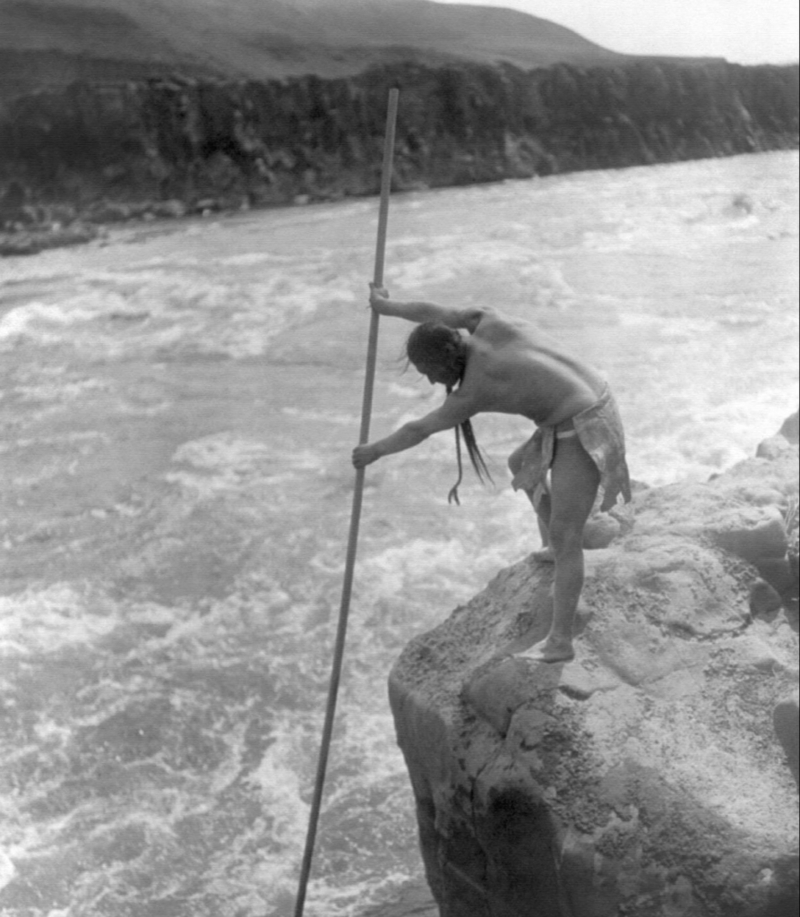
point(413, 901)
point(167, 146)
point(654, 775)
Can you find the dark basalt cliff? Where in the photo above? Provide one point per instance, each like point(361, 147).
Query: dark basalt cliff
point(108, 151)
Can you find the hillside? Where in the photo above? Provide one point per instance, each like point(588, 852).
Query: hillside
point(111, 110)
point(52, 42)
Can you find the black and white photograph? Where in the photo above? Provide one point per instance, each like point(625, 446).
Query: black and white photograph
point(399, 458)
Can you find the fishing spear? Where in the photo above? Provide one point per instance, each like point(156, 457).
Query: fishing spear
point(355, 514)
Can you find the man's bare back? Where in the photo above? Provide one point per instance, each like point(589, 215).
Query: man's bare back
point(513, 368)
point(508, 366)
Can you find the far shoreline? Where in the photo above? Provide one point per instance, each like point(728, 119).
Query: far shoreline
point(147, 218)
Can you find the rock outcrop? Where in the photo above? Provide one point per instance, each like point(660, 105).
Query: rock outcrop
point(166, 147)
point(654, 775)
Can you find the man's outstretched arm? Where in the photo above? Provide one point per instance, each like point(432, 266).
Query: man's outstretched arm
point(454, 411)
point(423, 311)
point(408, 436)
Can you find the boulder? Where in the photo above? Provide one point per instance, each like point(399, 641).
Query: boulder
point(790, 428)
point(600, 531)
point(764, 599)
point(787, 436)
point(653, 775)
point(773, 446)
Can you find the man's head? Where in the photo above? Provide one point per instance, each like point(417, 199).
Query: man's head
point(438, 352)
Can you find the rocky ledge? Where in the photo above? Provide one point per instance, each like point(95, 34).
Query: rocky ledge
point(656, 774)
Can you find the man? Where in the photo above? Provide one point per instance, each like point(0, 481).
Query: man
point(510, 367)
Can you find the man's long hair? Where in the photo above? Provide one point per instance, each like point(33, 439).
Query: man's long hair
point(435, 341)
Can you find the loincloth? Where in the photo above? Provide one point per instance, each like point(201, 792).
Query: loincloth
point(599, 430)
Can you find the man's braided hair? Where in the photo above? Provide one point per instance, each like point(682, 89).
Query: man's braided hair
point(437, 341)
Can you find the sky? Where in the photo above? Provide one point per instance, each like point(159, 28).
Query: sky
point(742, 31)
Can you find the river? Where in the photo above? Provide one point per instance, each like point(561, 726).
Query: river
point(179, 401)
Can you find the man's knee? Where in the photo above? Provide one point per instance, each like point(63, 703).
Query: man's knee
point(566, 537)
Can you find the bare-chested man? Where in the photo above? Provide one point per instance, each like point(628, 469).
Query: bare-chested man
point(508, 366)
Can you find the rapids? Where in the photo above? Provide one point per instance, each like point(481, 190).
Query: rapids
point(178, 406)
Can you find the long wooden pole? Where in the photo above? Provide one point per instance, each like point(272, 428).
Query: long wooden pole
point(355, 515)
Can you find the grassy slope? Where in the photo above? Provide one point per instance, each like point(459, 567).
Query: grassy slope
point(270, 38)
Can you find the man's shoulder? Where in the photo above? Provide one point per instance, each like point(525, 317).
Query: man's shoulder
point(482, 318)
point(470, 319)
point(496, 325)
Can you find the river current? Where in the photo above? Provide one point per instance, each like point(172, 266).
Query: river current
point(178, 406)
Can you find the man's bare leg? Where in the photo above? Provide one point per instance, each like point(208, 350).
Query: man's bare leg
point(575, 480)
point(545, 554)
point(542, 510)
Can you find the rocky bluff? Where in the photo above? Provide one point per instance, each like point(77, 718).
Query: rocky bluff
point(655, 775)
point(109, 151)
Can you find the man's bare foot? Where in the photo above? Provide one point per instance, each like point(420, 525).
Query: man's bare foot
point(550, 650)
point(545, 556)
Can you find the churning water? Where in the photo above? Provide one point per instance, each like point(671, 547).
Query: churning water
point(178, 408)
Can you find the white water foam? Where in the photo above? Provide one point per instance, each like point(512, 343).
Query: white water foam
point(678, 281)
